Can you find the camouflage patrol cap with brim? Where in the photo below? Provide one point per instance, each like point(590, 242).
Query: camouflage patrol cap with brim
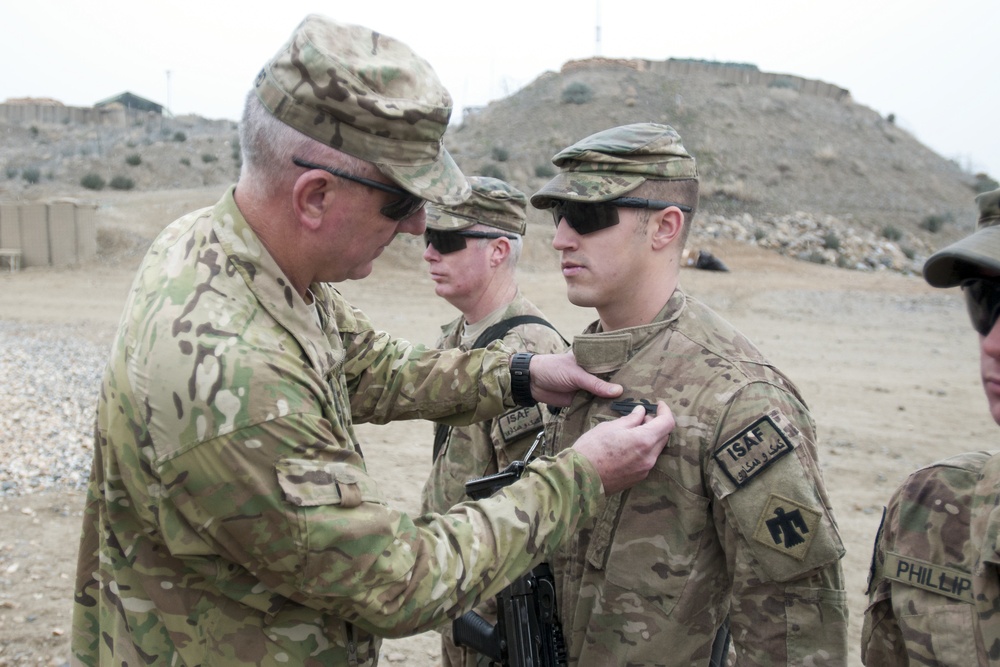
point(370, 96)
point(975, 256)
point(493, 203)
point(611, 163)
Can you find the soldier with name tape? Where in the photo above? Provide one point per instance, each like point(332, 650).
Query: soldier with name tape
point(734, 520)
point(472, 253)
point(934, 585)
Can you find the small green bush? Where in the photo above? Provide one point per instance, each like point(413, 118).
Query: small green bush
point(209, 157)
point(831, 241)
point(577, 93)
point(545, 171)
point(759, 234)
point(34, 131)
point(11, 172)
point(891, 233)
point(133, 159)
point(816, 257)
point(934, 223)
point(909, 252)
point(500, 154)
point(31, 175)
point(984, 183)
point(783, 82)
point(180, 136)
point(493, 171)
point(186, 162)
point(122, 183)
point(92, 181)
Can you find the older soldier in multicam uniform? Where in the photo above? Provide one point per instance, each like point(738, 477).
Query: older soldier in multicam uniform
point(472, 254)
point(934, 590)
point(734, 519)
point(230, 519)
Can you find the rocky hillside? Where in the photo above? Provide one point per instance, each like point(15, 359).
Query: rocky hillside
point(810, 176)
point(820, 178)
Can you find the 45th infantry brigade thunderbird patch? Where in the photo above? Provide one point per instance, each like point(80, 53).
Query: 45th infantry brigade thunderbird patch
point(787, 526)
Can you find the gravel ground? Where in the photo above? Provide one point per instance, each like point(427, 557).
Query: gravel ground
point(50, 377)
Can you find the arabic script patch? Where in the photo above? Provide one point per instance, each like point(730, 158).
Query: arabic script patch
point(752, 451)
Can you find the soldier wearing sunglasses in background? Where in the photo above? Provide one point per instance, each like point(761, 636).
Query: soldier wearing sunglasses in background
point(934, 590)
point(472, 254)
point(230, 519)
point(734, 519)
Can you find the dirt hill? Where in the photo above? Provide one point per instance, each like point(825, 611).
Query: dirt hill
point(818, 177)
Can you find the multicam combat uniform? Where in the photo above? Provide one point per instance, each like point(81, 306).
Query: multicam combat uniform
point(484, 448)
point(230, 519)
point(733, 518)
point(487, 447)
point(934, 591)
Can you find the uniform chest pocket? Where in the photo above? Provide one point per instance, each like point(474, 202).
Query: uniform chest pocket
point(943, 635)
point(649, 538)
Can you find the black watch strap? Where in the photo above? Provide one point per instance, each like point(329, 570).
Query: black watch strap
point(520, 379)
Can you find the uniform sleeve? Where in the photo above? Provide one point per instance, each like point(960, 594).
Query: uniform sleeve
point(390, 379)
point(309, 524)
point(777, 529)
point(881, 637)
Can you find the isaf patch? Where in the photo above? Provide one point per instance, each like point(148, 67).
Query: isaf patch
point(787, 526)
point(519, 423)
point(752, 451)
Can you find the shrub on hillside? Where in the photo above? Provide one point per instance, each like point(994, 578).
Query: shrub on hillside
point(984, 183)
point(891, 233)
point(186, 162)
point(92, 181)
point(122, 183)
point(934, 223)
point(11, 172)
point(209, 157)
point(180, 136)
point(133, 159)
point(31, 175)
point(831, 241)
point(545, 171)
point(500, 154)
point(577, 93)
point(493, 171)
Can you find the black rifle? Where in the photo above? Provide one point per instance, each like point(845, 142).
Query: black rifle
point(528, 632)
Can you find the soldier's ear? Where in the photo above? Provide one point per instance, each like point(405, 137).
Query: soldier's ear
point(500, 251)
point(312, 196)
point(666, 226)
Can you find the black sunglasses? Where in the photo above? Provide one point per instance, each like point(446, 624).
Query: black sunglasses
point(398, 209)
point(982, 297)
point(449, 242)
point(587, 217)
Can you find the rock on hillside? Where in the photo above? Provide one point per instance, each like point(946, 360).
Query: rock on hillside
point(766, 151)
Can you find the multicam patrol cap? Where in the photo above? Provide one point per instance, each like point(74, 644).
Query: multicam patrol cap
point(493, 203)
point(370, 96)
point(976, 255)
point(608, 164)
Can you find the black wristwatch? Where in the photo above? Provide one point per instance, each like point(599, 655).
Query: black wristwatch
point(520, 379)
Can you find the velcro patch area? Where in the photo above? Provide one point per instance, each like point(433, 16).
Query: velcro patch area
point(518, 423)
point(946, 581)
point(787, 526)
point(752, 451)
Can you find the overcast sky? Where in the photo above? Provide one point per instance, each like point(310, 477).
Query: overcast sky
point(932, 64)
